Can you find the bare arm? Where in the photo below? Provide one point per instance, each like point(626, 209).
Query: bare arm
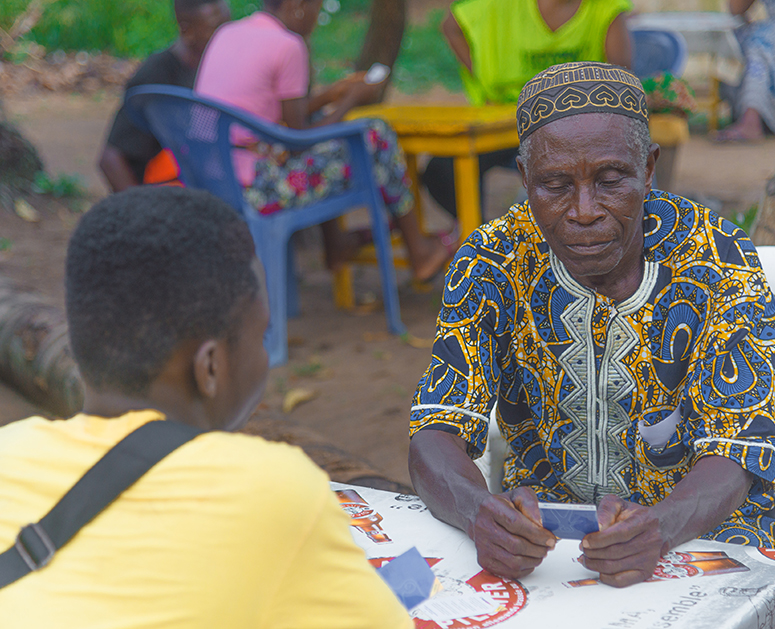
point(446, 478)
point(457, 41)
point(738, 7)
point(295, 112)
point(632, 537)
point(506, 529)
point(333, 93)
point(618, 45)
point(329, 95)
point(116, 169)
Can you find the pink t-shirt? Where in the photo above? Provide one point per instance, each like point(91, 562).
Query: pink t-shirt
point(254, 63)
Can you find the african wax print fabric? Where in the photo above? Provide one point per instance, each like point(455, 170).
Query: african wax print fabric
point(597, 396)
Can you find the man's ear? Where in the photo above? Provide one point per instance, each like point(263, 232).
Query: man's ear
point(208, 363)
point(521, 168)
point(651, 165)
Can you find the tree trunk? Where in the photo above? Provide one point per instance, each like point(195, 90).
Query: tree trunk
point(386, 30)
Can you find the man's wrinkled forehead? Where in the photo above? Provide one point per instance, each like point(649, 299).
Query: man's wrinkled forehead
point(598, 128)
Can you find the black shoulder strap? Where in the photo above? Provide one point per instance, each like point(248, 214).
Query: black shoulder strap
point(120, 468)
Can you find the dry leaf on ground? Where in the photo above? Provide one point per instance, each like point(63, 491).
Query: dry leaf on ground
point(294, 397)
point(25, 211)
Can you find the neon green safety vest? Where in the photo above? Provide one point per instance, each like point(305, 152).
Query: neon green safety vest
point(510, 42)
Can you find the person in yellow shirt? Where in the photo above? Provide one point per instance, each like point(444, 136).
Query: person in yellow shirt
point(502, 44)
point(167, 310)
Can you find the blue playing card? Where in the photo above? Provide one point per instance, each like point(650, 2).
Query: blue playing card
point(410, 578)
point(569, 521)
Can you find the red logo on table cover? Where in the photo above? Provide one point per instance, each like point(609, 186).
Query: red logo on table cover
point(362, 516)
point(767, 552)
point(684, 565)
point(510, 596)
point(381, 561)
point(681, 565)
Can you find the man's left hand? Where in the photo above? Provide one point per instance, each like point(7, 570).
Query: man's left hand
point(627, 547)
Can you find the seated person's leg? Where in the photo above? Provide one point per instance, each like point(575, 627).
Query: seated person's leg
point(428, 254)
point(439, 179)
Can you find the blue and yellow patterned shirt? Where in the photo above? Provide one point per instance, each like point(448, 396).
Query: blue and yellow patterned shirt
point(597, 396)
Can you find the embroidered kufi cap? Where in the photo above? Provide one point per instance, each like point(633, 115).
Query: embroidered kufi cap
point(581, 87)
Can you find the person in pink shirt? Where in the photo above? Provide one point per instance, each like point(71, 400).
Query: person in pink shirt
point(261, 64)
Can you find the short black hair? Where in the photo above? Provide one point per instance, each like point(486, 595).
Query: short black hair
point(191, 6)
point(147, 269)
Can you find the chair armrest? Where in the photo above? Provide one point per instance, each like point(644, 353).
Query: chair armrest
point(291, 138)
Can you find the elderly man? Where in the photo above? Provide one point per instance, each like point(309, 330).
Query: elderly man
point(627, 337)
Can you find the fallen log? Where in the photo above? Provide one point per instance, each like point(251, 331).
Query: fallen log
point(35, 353)
point(341, 466)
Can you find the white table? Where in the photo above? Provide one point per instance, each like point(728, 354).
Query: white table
point(705, 32)
point(735, 600)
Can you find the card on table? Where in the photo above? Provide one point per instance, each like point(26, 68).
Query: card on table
point(410, 578)
point(569, 521)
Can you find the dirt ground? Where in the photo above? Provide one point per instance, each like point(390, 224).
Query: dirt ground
point(362, 377)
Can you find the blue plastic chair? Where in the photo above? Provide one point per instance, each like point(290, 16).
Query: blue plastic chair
point(196, 130)
point(657, 51)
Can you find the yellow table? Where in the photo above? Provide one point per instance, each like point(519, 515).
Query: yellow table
point(459, 132)
point(463, 133)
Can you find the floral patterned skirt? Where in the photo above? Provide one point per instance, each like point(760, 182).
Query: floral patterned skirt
point(288, 180)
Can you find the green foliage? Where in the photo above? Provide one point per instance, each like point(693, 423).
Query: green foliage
point(335, 46)
point(745, 220)
point(5, 244)
point(136, 28)
point(125, 28)
point(426, 58)
point(308, 370)
point(60, 186)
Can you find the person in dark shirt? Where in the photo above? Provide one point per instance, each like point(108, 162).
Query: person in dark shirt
point(128, 150)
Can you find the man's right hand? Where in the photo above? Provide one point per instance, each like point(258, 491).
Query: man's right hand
point(506, 528)
point(510, 541)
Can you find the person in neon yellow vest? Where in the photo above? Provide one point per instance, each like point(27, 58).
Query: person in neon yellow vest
point(501, 44)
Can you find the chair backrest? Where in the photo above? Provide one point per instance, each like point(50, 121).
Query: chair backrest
point(767, 259)
point(656, 51)
point(494, 455)
point(198, 131)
